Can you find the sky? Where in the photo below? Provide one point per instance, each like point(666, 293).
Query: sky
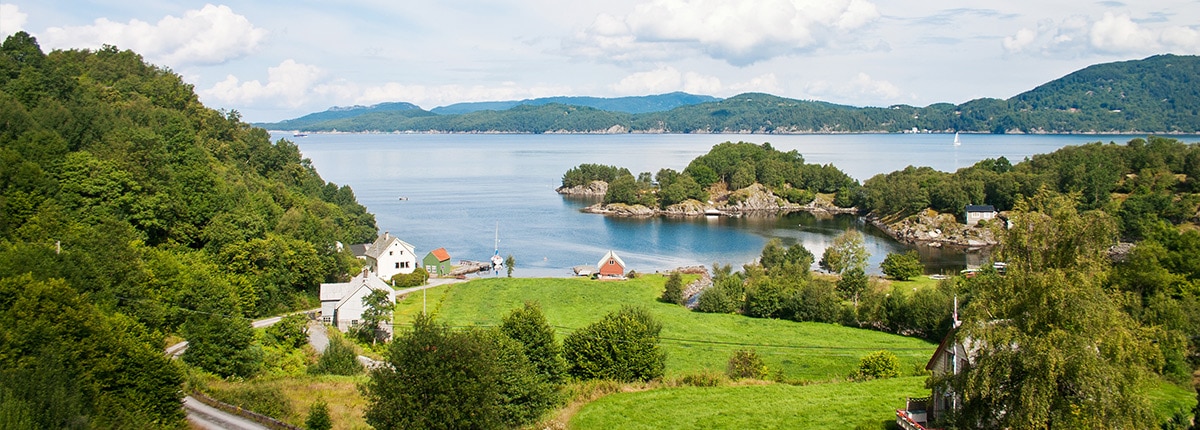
point(273, 60)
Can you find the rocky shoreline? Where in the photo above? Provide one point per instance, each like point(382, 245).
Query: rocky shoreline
point(937, 230)
point(755, 199)
point(927, 228)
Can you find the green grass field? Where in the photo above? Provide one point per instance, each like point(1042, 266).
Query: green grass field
point(693, 341)
point(831, 405)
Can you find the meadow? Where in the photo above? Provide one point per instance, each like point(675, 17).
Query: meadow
point(794, 352)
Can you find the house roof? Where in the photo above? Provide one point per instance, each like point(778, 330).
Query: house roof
point(981, 208)
point(382, 243)
point(612, 255)
point(441, 254)
point(340, 291)
point(359, 249)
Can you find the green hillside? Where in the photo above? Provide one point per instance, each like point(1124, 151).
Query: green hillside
point(1157, 94)
point(131, 213)
point(694, 341)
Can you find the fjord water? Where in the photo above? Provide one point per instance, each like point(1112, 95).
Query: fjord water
point(456, 191)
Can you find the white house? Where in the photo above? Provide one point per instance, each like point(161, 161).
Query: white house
point(342, 303)
point(389, 255)
point(977, 213)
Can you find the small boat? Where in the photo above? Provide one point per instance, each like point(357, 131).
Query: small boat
point(956, 141)
point(402, 198)
point(298, 134)
point(712, 212)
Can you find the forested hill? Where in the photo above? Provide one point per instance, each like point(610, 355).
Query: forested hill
point(130, 212)
point(1155, 95)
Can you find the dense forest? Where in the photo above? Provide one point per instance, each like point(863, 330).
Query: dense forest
point(1157, 94)
point(130, 212)
point(1141, 183)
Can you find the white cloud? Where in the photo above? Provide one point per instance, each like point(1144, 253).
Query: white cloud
point(12, 19)
point(861, 89)
point(1110, 34)
point(289, 84)
point(210, 35)
point(1119, 34)
point(738, 32)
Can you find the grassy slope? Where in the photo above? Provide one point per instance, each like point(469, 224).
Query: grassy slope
point(832, 405)
point(693, 341)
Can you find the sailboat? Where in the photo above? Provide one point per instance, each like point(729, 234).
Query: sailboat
point(956, 141)
point(496, 260)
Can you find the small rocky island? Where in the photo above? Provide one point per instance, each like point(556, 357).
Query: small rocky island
point(732, 180)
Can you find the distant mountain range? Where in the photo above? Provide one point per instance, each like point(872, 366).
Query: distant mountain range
point(1159, 94)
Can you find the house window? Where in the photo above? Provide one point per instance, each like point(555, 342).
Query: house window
point(397, 265)
point(389, 252)
point(402, 265)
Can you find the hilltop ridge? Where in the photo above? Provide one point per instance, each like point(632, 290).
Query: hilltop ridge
point(1152, 95)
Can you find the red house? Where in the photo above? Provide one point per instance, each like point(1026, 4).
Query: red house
point(611, 266)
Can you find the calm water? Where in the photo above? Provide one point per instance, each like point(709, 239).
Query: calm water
point(461, 187)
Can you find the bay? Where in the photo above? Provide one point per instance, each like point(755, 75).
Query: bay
point(458, 190)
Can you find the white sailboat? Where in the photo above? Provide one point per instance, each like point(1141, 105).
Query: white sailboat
point(956, 141)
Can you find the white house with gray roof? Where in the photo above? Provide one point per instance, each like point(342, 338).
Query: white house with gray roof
point(389, 255)
point(342, 303)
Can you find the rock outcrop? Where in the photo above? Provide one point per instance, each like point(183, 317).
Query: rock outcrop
point(594, 189)
point(934, 229)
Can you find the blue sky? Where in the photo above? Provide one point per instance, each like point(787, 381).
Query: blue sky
point(273, 60)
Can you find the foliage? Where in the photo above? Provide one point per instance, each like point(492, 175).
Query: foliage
point(852, 283)
point(290, 331)
point(673, 289)
point(257, 396)
point(1052, 347)
point(528, 326)
point(622, 346)
point(586, 173)
point(510, 263)
point(878, 365)
point(377, 311)
point(845, 252)
point(746, 363)
point(318, 417)
point(118, 185)
point(902, 266)
point(440, 378)
point(418, 277)
point(222, 344)
point(724, 296)
point(339, 358)
point(57, 364)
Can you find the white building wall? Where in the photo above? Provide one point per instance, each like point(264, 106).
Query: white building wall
point(396, 259)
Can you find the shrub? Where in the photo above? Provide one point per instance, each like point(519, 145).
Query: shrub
point(703, 378)
point(415, 279)
point(673, 289)
point(440, 378)
point(746, 363)
point(622, 346)
point(290, 331)
point(528, 326)
point(724, 296)
point(878, 365)
point(339, 359)
point(818, 302)
point(767, 297)
point(318, 417)
point(903, 266)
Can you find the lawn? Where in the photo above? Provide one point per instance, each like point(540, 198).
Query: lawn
point(693, 341)
point(829, 405)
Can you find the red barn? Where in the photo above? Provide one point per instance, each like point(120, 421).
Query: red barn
point(611, 265)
